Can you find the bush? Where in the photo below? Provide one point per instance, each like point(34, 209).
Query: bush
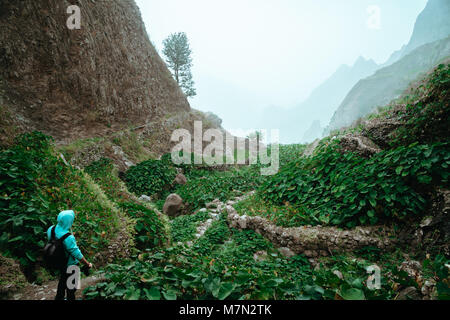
point(150, 231)
point(151, 177)
point(184, 228)
point(24, 208)
point(218, 185)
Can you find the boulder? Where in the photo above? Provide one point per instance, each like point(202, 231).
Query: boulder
point(173, 205)
point(180, 179)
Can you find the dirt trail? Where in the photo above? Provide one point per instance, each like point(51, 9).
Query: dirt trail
point(48, 291)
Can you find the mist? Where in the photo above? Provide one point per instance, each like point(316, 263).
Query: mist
point(250, 56)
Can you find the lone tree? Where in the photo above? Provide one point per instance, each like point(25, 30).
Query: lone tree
point(178, 58)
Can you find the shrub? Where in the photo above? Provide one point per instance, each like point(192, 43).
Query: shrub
point(150, 231)
point(184, 227)
point(105, 175)
point(151, 177)
point(218, 185)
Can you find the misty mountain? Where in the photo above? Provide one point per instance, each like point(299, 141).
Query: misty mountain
point(429, 45)
point(313, 132)
point(319, 106)
point(388, 83)
point(432, 24)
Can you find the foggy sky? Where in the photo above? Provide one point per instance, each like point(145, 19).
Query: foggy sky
point(251, 54)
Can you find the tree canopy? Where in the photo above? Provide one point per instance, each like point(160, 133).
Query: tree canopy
point(178, 58)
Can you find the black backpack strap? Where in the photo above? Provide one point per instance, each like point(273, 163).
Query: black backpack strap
point(64, 237)
point(53, 236)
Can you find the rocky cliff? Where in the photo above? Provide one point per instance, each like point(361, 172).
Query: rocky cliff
point(81, 83)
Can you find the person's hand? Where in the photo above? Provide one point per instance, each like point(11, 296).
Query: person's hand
point(90, 265)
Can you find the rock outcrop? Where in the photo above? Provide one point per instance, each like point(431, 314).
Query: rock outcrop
point(358, 144)
point(432, 24)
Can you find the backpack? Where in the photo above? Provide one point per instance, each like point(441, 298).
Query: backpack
point(54, 252)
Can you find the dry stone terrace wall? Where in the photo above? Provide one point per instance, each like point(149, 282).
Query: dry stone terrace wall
point(316, 241)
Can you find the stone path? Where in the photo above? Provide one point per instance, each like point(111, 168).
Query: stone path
point(215, 210)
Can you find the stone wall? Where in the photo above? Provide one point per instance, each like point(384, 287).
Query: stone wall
point(315, 241)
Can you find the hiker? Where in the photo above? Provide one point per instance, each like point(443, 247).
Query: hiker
point(72, 253)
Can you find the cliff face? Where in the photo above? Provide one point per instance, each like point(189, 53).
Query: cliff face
point(81, 83)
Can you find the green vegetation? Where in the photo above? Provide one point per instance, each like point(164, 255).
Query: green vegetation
point(81, 152)
point(427, 120)
point(286, 215)
point(151, 177)
point(149, 228)
point(218, 185)
point(220, 265)
point(345, 189)
point(331, 187)
point(185, 227)
point(35, 186)
point(290, 153)
point(105, 175)
point(179, 60)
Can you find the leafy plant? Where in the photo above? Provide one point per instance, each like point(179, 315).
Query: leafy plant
point(151, 177)
point(150, 231)
point(105, 175)
point(340, 188)
point(184, 227)
point(427, 119)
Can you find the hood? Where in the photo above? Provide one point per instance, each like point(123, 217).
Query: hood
point(65, 221)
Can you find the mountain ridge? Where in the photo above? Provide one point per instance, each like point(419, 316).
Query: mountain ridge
point(321, 103)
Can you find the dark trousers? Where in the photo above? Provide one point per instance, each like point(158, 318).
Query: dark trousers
point(62, 287)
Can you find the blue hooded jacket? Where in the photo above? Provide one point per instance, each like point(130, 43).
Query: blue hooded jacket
point(65, 221)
